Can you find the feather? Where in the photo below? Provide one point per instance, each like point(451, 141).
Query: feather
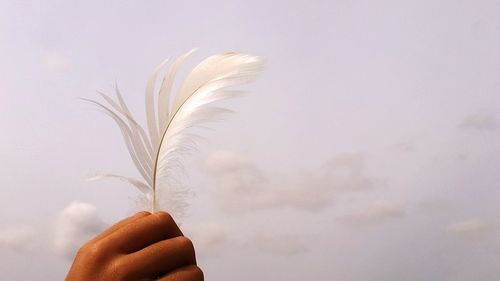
point(158, 152)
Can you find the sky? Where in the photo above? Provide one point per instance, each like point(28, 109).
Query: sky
point(367, 149)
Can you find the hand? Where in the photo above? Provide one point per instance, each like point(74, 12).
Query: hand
point(142, 247)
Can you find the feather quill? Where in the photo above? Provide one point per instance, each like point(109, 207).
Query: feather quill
point(158, 152)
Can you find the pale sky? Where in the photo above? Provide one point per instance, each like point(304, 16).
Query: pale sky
point(368, 148)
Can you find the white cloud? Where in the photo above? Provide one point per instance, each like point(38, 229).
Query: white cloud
point(469, 229)
point(17, 238)
point(285, 245)
point(76, 224)
point(242, 186)
point(406, 145)
point(484, 122)
point(223, 161)
point(213, 240)
point(346, 172)
point(208, 238)
point(375, 213)
point(435, 204)
point(56, 62)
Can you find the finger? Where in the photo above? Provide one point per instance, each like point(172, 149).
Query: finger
point(188, 273)
point(144, 232)
point(120, 224)
point(161, 258)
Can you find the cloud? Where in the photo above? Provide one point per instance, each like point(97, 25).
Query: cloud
point(213, 240)
point(18, 238)
point(469, 229)
point(285, 245)
point(75, 225)
point(375, 213)
point(208, 238)
point(56, 62)
point(435, 204)
point(346, 172)
point(406, 145)
point(242, 186)
point(483, 122)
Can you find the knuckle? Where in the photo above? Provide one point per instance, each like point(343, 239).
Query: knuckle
point(95, 250)
point(197, 273)
point(92, 251)
point(84, 248)
point(185, 243)
point(119, 269)
point(82, 251)
point(142, 214)
point(165, 218)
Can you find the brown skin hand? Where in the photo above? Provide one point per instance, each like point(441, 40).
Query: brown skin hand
point(144, 246)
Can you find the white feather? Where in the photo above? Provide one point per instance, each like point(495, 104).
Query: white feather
point(158, 155)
